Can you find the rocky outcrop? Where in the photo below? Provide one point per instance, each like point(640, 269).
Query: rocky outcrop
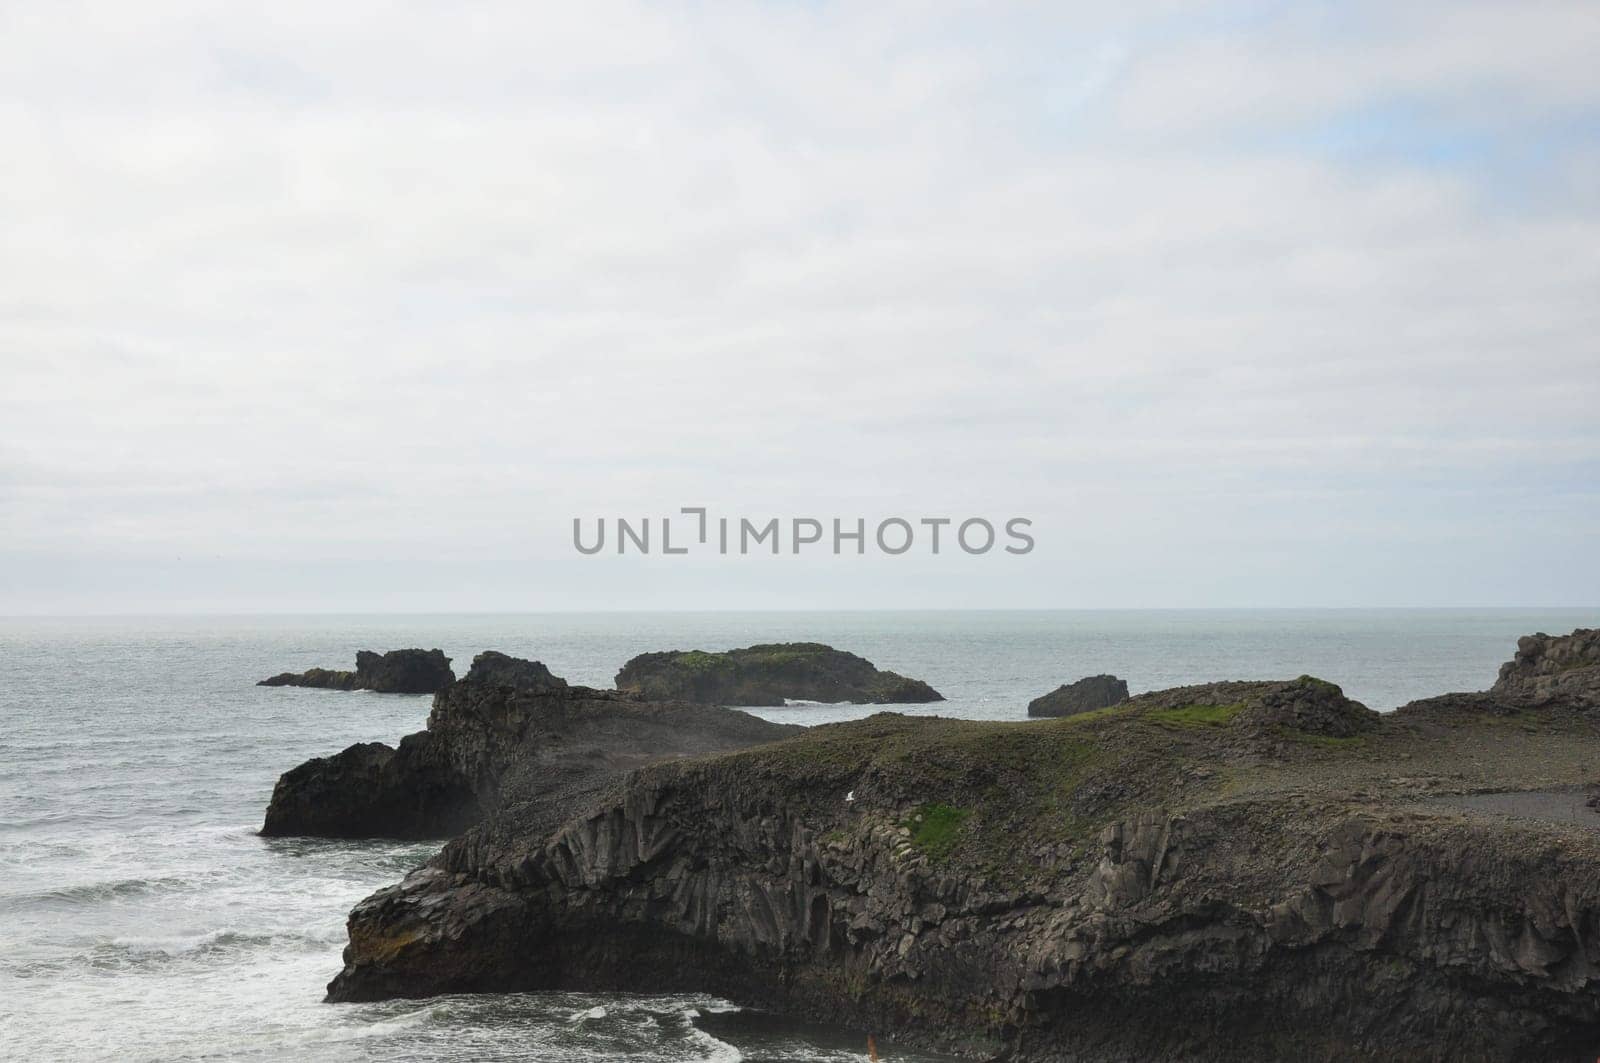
point(1548, 673)
point(1548, 668)
point(509, 732)
point(1255, 870)
point(1306, 707)
point(1249, 931)
point(771, 674)
point(493, 667)
point(396, 672)
point(1086, 695)
point(371, 790)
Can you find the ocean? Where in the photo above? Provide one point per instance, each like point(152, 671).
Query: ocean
point(142, 918)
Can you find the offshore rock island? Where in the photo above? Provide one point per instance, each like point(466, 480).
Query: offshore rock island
point(396, 672)
point(770, 675)
point(1238, 870)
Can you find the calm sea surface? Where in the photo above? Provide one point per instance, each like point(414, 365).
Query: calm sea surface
point(141, 918)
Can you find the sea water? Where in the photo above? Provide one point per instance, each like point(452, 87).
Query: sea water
point(142, 918)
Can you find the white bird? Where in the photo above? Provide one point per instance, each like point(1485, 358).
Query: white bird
point(851, 796)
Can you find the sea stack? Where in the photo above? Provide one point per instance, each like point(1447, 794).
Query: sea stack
point(411, 671)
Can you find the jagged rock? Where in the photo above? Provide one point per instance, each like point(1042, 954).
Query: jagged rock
point(509, 732)
point(1311, 706)
point(396, 672)
point(494, 667)
point(1547, 674)
point(373, 791)
point(769, 675)
point(1547, 667)
point(1254, 870)
point(1086, 695)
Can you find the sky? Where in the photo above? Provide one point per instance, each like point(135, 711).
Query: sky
point(356, 306)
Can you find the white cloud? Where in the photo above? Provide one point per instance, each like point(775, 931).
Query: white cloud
point(309, 281)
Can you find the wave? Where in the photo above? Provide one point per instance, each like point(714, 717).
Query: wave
point(717, 1050)
point(225, 946)
point(96, 892)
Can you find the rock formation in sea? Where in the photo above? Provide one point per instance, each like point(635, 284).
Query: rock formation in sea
point(1242, 870)
point(1087, 694)
point(495, 668)
point(396, 672)
point(508, 732)
point(770, 675)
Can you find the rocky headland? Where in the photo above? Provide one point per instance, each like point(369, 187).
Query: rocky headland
point(770, 675)
point(1087, 694)
point(509, 732)
point(396, 672)
point(1242, 870)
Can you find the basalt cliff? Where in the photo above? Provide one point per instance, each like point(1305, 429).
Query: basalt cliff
point(1243, 870)
point(508, 733)
point(770, 674)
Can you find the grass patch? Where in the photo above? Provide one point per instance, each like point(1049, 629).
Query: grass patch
point(1092, 714)
point(1323, 741)
point(979, 786)
point(699, 661)
point(1198, 715)
point(935, 828)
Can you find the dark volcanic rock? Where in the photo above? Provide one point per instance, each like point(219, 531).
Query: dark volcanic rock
point(770, 675)
point(1086, 695)
point(510, 732)
point(1240, 870)
point(494, 667)
point(396, 672)
point(373, 791)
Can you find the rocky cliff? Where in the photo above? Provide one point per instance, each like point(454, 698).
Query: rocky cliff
point(1548, 668)
point(1231, 871)
point(770, 675)
point(509, 732)
point(1087, 694)
point(396, 672)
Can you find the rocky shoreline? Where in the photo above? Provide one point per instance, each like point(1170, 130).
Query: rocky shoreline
point(1243, 870)
point(507, 733)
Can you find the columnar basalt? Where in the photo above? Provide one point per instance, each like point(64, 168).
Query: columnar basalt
point(1252, 870)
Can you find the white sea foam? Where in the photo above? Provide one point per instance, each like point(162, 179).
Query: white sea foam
point(717, 1051)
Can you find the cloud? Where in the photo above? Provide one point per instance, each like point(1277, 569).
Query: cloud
point(304, 282)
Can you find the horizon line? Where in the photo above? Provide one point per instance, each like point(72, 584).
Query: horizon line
point(668, 611)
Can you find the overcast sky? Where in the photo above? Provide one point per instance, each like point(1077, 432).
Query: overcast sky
point(357, 305)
